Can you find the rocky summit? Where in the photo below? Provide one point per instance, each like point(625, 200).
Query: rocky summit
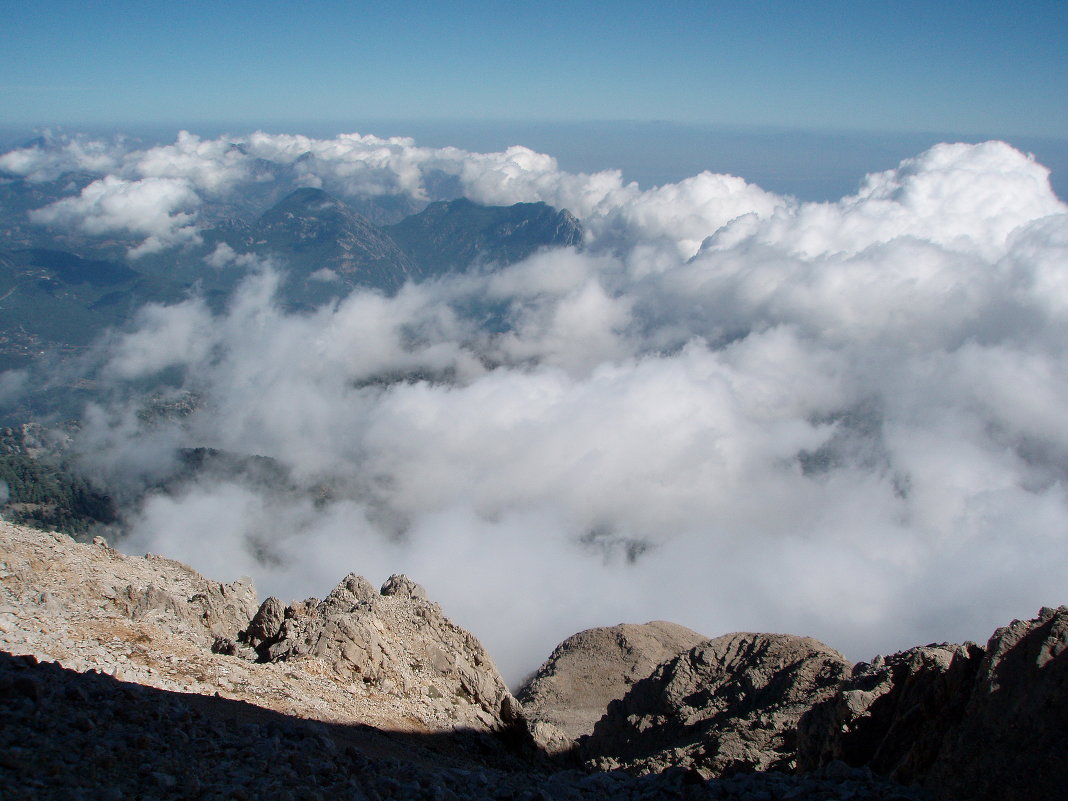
point(136, 677)
point(566, 697)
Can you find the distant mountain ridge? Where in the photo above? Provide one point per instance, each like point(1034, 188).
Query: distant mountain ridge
point(59, 290)
point(319, 235)
point(450, 236)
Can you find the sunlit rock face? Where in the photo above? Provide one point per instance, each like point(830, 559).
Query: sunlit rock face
point(135, 649)
point(394, 640)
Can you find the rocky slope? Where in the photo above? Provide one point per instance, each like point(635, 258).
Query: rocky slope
point(966, 721)
point(955, 721)
point(726, 706)
point(568, 694)
point(73, 736)
point(388, 660)
point(395, 640)
point(125, 677)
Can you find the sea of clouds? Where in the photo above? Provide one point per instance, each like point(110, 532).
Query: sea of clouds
point(729, 409)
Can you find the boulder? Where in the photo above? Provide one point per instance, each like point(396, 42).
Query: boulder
point(266, 624)
point(403, 587)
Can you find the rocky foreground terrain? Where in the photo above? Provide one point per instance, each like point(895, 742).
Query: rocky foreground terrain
point(128, 677)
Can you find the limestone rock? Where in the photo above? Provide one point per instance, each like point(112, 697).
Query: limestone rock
point(397, 641)
point(891, 715)
point(403, 587)
point(66, 577)
point(571, 691)
point(730, 705)
point(267, 623)
point(84, 736)
point(959, 720)
point(355, 657)
point(1014, 731)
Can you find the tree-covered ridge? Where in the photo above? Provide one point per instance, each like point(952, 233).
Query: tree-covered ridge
point(43, 489)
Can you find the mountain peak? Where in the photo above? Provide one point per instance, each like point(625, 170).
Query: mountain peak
point(315, 231)
point(451, 235)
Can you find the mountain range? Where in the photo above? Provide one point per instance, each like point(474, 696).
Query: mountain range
point(61, 289)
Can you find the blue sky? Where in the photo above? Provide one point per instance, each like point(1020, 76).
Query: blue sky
point(803, 98)
point(975, 67)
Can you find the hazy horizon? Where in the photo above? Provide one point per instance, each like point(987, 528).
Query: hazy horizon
point(810, 164)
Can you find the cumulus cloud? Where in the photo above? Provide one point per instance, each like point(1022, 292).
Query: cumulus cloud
point(730, 409)
point(969, 198)
point(167, 178)
point(213, 167)
point(54, 156)
point(156, 208)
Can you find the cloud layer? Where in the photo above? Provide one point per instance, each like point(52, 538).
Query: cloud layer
point(731, 410)
point(153, 192)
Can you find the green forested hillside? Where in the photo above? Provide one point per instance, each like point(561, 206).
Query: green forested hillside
point(44, 491)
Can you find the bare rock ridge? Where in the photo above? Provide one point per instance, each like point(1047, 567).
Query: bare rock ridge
point(570, 692)
point(725, 706)
point(965, 721)
point(892, 714)
point(394, 639)
point(389, 658)
point(165, 684)
point(959, 721)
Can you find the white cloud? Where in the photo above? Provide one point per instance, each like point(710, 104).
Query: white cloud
point(836, 419)
point(616, 215)
point(214, 166)
point(63, 155)
point(166, 336)
point(157, 208)
point(969, 198)
point(224, 256)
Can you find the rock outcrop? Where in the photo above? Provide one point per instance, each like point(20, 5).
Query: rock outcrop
point(726, 706)
point(892, 714)
point(49, 575)
point(142, 678)
point(571, 691)
point(1016, 719)
point(70, 736)
point(390, 659)
point(956, 719)
point(395, 640)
